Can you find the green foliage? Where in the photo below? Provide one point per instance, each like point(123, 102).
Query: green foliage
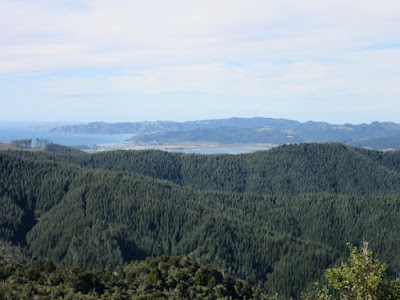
point(361, 277)
point(159, 278)
point(318, 293)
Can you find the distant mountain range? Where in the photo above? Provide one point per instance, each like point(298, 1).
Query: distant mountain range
point(376, 135)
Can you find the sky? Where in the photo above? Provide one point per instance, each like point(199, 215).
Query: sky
point(96, 60)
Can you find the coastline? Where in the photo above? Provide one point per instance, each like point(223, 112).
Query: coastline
point(201, 147)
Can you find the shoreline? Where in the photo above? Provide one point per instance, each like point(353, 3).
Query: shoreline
point(183, 147)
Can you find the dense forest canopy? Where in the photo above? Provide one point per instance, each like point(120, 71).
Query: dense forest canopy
point(276, 218)
point(159, 278)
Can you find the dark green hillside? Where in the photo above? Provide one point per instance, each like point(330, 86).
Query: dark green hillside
point(10, 253)
point(387, 159)
point(285, 170)
point(29, 188)
point(307, 202)
point(58, 149)
point(111, 218)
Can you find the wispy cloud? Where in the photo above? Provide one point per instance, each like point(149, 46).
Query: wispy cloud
point(256, 49)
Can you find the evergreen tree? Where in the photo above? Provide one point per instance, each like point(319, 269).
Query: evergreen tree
point(362, 277)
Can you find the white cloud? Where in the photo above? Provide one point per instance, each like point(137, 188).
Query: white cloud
point(262, 49)
point(131, 33)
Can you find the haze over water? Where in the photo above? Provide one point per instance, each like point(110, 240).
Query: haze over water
point(17, 131)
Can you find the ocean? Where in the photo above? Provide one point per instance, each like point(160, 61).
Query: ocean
point(17, 131)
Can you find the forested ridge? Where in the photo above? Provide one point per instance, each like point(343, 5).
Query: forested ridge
point(276, 218)
point(285, 170)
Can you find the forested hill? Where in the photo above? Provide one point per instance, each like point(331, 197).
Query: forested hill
point(276, 218)
point(287, 170)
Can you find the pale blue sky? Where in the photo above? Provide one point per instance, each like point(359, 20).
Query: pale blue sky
point(335, 61)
